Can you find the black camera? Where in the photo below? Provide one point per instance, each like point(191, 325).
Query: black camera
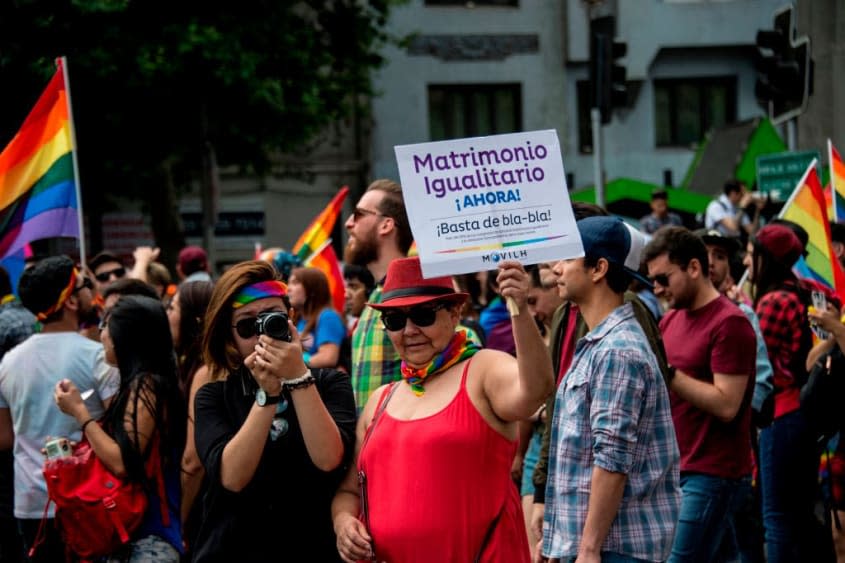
point(274, 324)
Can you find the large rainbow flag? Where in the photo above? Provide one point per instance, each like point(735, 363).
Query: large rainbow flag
point(806, 207)
point(326, 260)
point(837, 182)
point(37, 180)
point(320, 229)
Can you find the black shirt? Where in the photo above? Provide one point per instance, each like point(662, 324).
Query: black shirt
point(284, 513)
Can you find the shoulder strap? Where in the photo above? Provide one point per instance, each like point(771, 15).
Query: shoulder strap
point(383, 400)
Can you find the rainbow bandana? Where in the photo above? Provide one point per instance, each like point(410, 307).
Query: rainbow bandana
point(71, 285)
point(260, 290)
point(459, 349)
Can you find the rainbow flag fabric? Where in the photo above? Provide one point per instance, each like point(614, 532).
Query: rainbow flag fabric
point(807, 207)
point(320, 229)
point(37, 180)
point(325, 259)
point(837, 182)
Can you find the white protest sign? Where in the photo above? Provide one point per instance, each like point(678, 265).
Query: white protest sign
point(473, 202)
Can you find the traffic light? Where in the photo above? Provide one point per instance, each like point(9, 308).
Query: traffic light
point(784, 68)
point(608, 89)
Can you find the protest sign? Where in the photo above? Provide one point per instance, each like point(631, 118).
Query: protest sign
point(474, 202)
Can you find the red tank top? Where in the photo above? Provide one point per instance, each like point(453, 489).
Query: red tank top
point(436, 484)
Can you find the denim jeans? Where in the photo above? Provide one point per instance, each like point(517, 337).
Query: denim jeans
point(707, 507)
point(789, 461)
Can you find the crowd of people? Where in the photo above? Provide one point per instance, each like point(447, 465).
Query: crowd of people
point(636, 404)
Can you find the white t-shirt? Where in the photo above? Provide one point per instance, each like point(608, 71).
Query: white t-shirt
point(28, 377)
point(717, 210)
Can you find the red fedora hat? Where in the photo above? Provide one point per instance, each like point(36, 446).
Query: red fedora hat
point(405, 286)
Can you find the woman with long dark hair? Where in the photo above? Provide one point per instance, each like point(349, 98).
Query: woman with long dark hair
point(788, 453)
point(320, 327)
point(272, 434)
point(186, 314)
point(144, 421)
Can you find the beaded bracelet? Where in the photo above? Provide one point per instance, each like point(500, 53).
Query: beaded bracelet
point(300, 382)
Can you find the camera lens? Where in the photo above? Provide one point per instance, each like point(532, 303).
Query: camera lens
point(274, 324)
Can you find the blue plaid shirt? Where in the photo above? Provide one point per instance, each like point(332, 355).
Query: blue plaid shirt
point(612, 411)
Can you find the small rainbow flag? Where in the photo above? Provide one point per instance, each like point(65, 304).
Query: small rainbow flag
point(320, 229)
point(325, 260)
point(837, 182)
point(806, 207)
point(38, 196)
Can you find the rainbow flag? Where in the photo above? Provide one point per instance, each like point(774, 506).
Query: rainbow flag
point(806, 206)
point(837, 182)
point(37, 180)
point(325, 259)
point(320, 229)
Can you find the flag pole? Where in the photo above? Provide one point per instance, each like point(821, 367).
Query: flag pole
point(317, 251)
point(62, 62)
point(798, 187)
point(832, 183)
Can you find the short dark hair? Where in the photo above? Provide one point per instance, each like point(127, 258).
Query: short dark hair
point(837, 232)
point(680, 244)
point(130, 286)
point(617, 278)
point(659, 194)
point(732, 186)
point(360, 273)
point(41, 285)
point(582, 210)
point(393, 206)
point(102, 258)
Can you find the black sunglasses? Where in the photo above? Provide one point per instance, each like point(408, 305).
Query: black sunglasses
point(359, 212)
point(663, 279)
point(103, 277)
point(85, 283)
point(246, 327)
point(421, 316)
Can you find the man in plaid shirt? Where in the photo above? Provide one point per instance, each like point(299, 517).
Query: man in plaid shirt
point(612, 491)
point(379, 233)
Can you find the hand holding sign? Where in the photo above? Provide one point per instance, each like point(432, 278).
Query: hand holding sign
point(475, 202)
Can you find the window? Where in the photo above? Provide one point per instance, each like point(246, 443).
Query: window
point(686, 109)
point(471, 110)
point(472, 3)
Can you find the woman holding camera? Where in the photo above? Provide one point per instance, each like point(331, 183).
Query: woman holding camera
point(274, 436)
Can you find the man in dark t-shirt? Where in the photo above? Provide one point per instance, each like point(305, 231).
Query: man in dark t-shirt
point(711, 347)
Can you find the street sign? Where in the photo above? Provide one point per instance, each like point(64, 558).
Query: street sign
point(777, 174)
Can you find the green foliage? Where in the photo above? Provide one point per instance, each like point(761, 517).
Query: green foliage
point(153, 81)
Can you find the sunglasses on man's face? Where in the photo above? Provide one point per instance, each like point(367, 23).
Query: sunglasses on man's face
point(86, 283)
point(420, 316)
point(103, 277)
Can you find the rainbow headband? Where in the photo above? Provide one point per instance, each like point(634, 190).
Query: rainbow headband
point(63, 296)
point(260, 290)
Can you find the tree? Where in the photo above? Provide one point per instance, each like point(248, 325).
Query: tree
point(158, 86)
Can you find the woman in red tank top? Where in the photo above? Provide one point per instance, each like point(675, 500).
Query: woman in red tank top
point(432, 476)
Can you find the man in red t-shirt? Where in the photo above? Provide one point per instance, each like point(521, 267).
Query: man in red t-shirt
point(711, 347)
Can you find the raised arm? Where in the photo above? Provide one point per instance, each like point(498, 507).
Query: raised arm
point(517, 388)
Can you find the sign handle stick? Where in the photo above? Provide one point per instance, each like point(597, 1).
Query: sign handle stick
point(513, 308)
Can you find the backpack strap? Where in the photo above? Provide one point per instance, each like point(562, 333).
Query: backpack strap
point(41, 534)
point(154, 467)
